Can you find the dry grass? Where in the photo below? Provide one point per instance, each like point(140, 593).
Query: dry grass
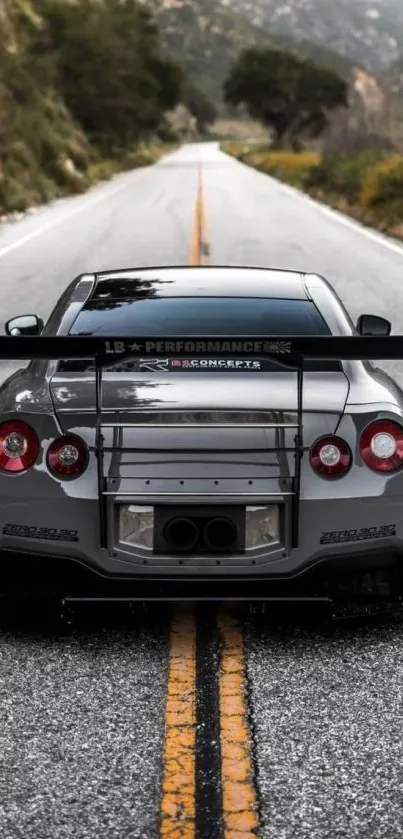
point(242, 130)
point(367, 186)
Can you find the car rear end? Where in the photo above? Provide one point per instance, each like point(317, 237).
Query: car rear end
point(210, 500)
point(202, 476)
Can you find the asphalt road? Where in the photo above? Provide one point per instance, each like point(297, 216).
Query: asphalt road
point(81, 707)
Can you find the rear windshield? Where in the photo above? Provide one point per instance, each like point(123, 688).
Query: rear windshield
point(224, 316)
point(161, 316)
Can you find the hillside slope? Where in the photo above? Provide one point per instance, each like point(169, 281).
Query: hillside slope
point(207, 35)
point(369, 32)
point(43, 151)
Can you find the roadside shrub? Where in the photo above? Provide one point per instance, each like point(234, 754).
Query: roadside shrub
point(142, 155)
point(292, 167)
point(245, 151)
point(382, 190)
point(368, 186)
point(102, 170)
point(343, 175)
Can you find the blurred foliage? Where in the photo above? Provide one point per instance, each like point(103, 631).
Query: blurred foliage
point(38, 135)
point(111, 73)
point(207, 36)
point(382, 189)
point(344, 174)
point(367, 186)
point(199, 106)
point(83, 92)
point(144, 154)
point(284, 165)
point(293, 168)
point(289, 95)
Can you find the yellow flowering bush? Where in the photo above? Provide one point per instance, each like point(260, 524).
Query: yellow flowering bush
point(382, 189)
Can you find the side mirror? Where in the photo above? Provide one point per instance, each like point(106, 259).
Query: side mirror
point(373, 325)
point(24, 325)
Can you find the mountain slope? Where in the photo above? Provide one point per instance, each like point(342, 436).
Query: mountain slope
point(207, 35)
point(40, 144)
point(369, 32)
point(393, 79)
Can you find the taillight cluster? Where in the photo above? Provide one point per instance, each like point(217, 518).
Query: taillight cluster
point(380, 446)
point(330, 456)
point(67, 457)
point(19, 446)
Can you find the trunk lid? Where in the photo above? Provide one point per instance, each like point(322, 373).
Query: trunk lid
point(192, 396)
point(200, 434)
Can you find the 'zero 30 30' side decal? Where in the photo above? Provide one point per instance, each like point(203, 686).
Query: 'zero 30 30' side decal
point(334, 537)
point(52, 534)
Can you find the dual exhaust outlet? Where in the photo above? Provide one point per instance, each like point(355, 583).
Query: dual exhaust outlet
point(216, 535)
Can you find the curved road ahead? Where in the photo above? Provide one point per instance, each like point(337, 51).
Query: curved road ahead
point(83, 706)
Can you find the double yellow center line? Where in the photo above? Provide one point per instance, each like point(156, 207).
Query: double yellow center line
point(206, 693)
point(178, 810)
point(238, 812)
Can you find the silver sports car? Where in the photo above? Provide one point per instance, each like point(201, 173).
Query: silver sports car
point(147, 453)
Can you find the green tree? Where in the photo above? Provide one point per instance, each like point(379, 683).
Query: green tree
point(289, 95)
point(112, 75)
point(37, 134)
point(199, 106)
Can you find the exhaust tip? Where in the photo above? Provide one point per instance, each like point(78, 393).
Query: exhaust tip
point(181, 534)
point(220, 535)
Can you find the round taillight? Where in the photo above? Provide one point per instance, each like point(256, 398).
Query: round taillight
point(381, 446)
point(67, 456)
point(330, 456)
point(19, 446)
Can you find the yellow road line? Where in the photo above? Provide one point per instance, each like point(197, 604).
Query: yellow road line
point(203, 225)
point(178, 790)
point(240, 813)
point(199, 231)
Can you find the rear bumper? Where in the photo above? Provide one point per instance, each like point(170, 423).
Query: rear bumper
point(373, 574)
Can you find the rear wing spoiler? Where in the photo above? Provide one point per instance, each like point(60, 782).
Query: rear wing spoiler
point(287, 350)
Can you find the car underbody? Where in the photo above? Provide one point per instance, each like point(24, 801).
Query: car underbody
point(342, 587)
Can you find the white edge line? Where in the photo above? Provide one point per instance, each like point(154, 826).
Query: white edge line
point(373, 235)
point(88, 203)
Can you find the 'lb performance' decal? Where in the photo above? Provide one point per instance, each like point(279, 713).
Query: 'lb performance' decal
point(123, 347)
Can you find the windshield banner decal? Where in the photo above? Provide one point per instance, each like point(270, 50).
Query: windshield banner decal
point(207, 347)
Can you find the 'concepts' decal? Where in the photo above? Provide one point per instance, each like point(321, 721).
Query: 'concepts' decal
point(49, 533)
point(249, 347)
point(334, 537)
point(215, 364)
point(175, 364)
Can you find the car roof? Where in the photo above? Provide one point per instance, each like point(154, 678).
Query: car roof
point(200, 281)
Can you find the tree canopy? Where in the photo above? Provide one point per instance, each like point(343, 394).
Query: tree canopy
point(82, 84)
point(290, 95)
point(112, 74)
point(199, 105)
